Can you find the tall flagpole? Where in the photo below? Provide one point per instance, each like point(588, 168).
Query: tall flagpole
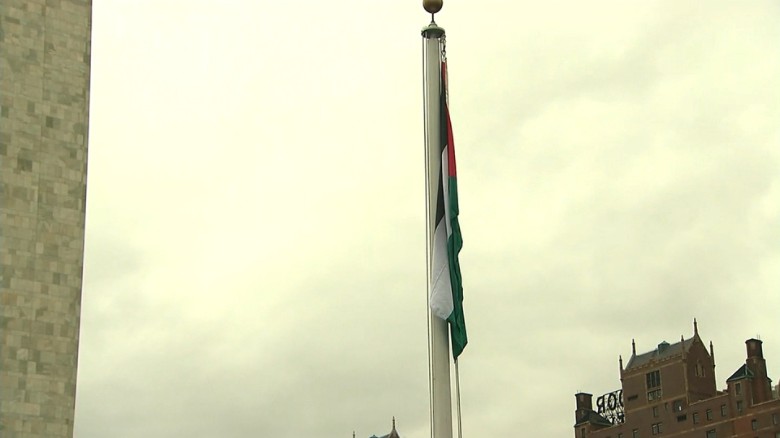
point(438, 339)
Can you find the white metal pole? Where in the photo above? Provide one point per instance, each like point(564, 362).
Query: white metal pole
point(441, 398)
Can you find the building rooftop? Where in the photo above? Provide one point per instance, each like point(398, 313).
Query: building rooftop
point(593, 417)
point(742, 373)
point(393, 433)
point(664, 351)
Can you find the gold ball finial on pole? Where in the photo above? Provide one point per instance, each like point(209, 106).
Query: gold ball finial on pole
point(433, 6)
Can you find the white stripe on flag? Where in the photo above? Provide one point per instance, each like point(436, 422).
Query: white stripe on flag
point(441, 285)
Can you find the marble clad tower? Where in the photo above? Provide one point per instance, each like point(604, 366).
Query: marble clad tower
point(44, 105)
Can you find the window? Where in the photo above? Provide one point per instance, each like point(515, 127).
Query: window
point(739, 406)
point(695, 418)
point(722, 410)
point(711, 434)
point(775, 419)
point(657, 428)
point(635, 433)
point(654, 395)
point(754, 424)
point(699, 370)
point(582, 432)
point(655, 411)
point(620, 435)
point(653, 379)
point(738, 388)
point(677, 406)
point(709, 414)
point(682, 417)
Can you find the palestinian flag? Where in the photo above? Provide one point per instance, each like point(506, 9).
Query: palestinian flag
point(446, 284)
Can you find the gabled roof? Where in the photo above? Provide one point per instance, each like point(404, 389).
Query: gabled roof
point(742, 373)
point(665, 352)
point(392, 434)
point(593, 417)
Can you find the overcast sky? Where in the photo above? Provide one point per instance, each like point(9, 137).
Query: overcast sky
point(255, 254)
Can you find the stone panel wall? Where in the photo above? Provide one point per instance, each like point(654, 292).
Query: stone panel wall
point(44, 106)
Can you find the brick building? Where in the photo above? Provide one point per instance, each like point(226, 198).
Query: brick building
point(670, 391)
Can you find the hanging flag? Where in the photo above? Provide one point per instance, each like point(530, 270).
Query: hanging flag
point(446, 284)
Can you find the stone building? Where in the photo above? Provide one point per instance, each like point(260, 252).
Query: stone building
point(44, 102)
point(671, 391)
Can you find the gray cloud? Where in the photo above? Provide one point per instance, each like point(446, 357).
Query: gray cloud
point(255, 245)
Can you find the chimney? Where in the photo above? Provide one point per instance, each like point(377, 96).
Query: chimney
point(754, 348)
point(584, 406)
point(761, 386)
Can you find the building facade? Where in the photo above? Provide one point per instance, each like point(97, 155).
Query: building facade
point(671, 391)
point(44, 104)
